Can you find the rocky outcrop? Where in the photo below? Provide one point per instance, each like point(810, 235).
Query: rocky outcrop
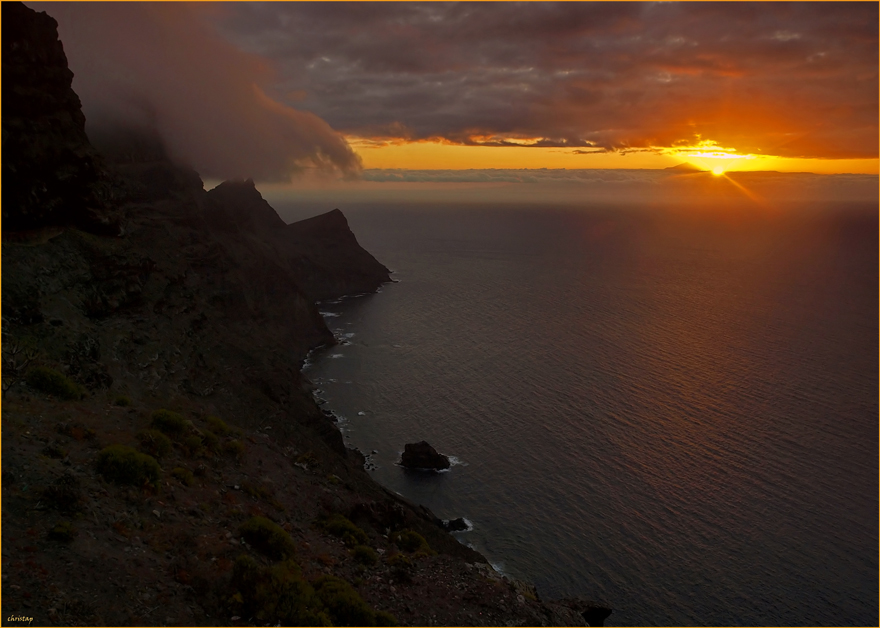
point(238, 205)
point(327, 260)
point(594, 614)
point(455, 525)
point(51, 173)
point(422, 456)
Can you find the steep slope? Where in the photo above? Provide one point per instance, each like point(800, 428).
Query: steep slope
point(201, 306)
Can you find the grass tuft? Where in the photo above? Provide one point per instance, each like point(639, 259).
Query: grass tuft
point(340, 526)
point(168, 422)
point(268, 537)
point(154, 443)
point(125, 465)
point(53, 383)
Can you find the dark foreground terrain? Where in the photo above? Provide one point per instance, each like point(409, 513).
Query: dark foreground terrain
point(164, 462)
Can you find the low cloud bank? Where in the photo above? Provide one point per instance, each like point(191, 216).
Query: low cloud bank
point(160, 66)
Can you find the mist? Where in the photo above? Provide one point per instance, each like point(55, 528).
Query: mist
point(160, 68)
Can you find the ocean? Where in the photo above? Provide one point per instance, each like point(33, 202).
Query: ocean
point(671, 410)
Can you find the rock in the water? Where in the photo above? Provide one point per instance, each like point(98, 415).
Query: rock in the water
point(594, 614)
point(422, 456)
point(455, 525)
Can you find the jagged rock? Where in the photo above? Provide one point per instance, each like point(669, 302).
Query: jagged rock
point(422, 456)
point(51, 173)
point(455, 525)
point(327, 259)
point(238, 205)
point(593, 613)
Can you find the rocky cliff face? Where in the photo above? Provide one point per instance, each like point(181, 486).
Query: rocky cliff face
point(202, 303)
point(51, 173)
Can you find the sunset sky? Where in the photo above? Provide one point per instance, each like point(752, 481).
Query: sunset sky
point(273, 89)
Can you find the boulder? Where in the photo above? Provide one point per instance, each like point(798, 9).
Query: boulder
point(455, 525)
point(422, 456)
point(594, 613)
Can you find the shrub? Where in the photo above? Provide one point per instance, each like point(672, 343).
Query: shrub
point(234, 448)
point(193, 444)
point(365, 555)
point(122, 401)
point(210, 440)
point(169, 422)
point(64, 494)
point(124, 465)
point(268, 537)
point(63, 532)
point(276, 595)
point(53, 383)
point(340, 526)
point(154, 443)
point(344, 606)
point(399, 561)
point(217, 426)
point(184, 476)
point(410, 541)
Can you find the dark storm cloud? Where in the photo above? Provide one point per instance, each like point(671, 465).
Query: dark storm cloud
point(778, 78)
point(162, 65)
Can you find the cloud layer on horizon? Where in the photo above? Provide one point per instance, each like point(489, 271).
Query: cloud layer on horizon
point(787, 79)
point(163, 66)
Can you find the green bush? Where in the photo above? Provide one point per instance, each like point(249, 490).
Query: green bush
point(340, 526)
point(169, 422)
point(154, 443)
point(184, 476)
point(345, 607)
point(268, 537)
point(63, 532)
point(209, 439)
point(124, 465)
point(276, 595)
point(365, 555)
point(399, 561)
point(410, 541)
point(53, 383)
point(193, 444)
point(122, 401)
point(217, 426)
point(234, 448)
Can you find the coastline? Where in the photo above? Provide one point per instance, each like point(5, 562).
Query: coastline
point(165, 461)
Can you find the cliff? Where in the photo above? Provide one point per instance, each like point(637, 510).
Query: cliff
point(163, 459)
point(51, 174)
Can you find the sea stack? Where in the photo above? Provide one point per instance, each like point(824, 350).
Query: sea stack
point(422, 456)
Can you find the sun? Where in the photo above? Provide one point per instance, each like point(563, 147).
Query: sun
point(717, 171)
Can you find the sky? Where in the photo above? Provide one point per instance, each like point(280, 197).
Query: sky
point(334, 91)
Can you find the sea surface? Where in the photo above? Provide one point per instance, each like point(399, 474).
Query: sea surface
point(670, 410)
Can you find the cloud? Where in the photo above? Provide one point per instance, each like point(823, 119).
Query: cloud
point(787, 79)
point(163, 65)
